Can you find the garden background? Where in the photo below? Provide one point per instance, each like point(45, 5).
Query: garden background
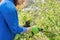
point(44, 14)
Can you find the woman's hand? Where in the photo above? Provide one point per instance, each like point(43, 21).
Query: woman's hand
point(28, 30)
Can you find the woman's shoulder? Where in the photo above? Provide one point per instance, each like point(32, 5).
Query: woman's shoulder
point(7, 5)
point(10, 5)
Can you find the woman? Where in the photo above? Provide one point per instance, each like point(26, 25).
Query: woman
point(9, 20)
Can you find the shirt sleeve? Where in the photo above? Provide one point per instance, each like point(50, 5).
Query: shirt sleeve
point(11, 18)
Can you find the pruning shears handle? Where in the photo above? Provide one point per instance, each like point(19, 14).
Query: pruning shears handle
point(34, 29)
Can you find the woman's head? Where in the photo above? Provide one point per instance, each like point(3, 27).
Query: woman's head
point(19, 2)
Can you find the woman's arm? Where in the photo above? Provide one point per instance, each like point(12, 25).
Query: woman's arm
point(11, 18)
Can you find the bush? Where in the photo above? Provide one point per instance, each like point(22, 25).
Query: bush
point(45, 15)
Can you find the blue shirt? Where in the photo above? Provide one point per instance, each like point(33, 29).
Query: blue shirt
point(9, 21)
point(11, 0)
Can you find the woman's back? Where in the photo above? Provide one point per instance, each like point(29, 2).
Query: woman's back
point(7, 9)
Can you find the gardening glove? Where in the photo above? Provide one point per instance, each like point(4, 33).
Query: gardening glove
point(36, 30)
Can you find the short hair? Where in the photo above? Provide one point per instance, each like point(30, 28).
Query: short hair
point(15, 2)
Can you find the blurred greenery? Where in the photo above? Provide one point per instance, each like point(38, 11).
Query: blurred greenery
point(45, 15)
